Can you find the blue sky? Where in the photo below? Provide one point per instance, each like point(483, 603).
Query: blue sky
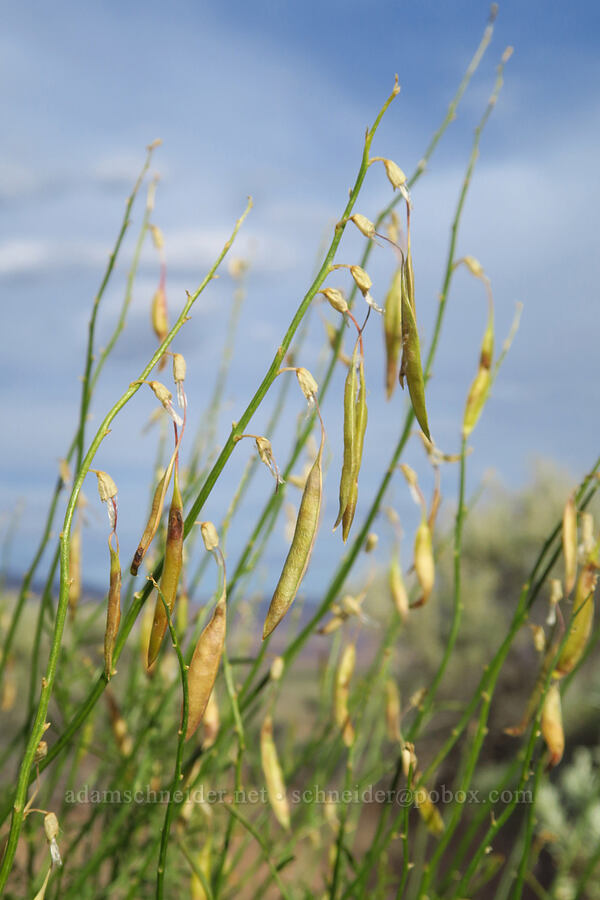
point(272, 99)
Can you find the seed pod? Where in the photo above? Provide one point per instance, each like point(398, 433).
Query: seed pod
point(170, 573)
point(552, 725)
point(308, 385)
point(429, 812)
point(424, 563)
point(165, 397)
point(587, 533)
point(583, 617)
point(569, 542)
point(277, 667)
point(157, 237)
point(349, 438)
point(398, 589)
point(113, 613)
point(411, 350)
point(265, 452)
point(273, 774)
point(41, 752)
point(392, 329)
point(336, 299)
point(205, 665)
point(209, 536)
point(392, 710)
point(409, 760)
point(179, 371)
point(51, 830)
point(342, 693)
point(154, 519)
point(107, 489)
point(301, 547)
point(396, 176)
point(480, 388)
point(371, 542)
point(364, 225)
point(360, 426)
point(474, 266)
point(159, 317)
point(361, 279)
point(556, 595)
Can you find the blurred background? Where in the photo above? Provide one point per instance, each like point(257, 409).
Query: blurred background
point(272, 100)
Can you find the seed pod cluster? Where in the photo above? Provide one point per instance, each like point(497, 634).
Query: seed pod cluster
point(302, 544)
point(355, 425)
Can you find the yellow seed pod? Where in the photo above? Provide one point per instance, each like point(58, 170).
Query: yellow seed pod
point(162, 393)
point(41, 752)
point(107, 489)
point(361, 279)
point(342, 692)
point(371, 542)
point(392, 710)
point(113, 612)
point(170, 574)
point(308, 385)
point(159, 317)
point(424, 562)
point(157, 237)
point(204, 666)
point(277, 667)
point(478, 394)
point(429, 812)
point(552, 725)
point(273, 774)
point(569, 542)
point(51, 828)
point(409, 759)
point(156, 509)
point(587, 533)
point(398, 589)
point(179, 367)
point(336, 299)
point(364, 225)
point(209, 536)
point(556, 595)
point(392, 328)
point(474, 266)
point(396, 176)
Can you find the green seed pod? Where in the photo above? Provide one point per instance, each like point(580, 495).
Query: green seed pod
point(113, 614)
point(392, 329)
point(480, 388)
point(398, 589)
point(360, 426)
point(411, 351)
point(583, 617)
point(170, 574)
point(301, 547)
point(156, 509)
point(273, 774)
point(205, 665)
point(429, 811)
point(350, 387)
point(392, 711)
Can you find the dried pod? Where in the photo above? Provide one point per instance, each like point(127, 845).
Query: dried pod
point(336, 299)
point(569, 542)
point(107, 489)
point(159, 318)
point(474, 266)
point(392, 710)
point(350, 387)
point(552, 725)
point(308, 385)
point(396, 176)
point(361, 279)
point(179, 372)
point(205, 665)
point(209, 536)
point(273, 774)
point(154, 518)
point(301, 547)
point(342, 692)
point(170, 573)
point(411, 368)
point(398, 588)
point(277, 667)
point(409, 760)
point(51, 830)
point(113, 613)
point(165, 397)
point(265, 452)
point(364, 225)
point(424, 562)
point(392, 329)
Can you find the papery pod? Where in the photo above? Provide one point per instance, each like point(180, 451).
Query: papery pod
point(424, 562)
point(582, 617)
point(301, 547)
point(392, 329)
point(398, 588)
point(552, 725)
point(170, 573)
point(342, 693)
point(569, 542)
point(273, 774)
point(360, 425)
point(411, 368)
point(204, 666)
point(156, 509)
point(113, 613)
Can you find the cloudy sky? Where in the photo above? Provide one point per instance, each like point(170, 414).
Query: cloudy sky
point(271, 99)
